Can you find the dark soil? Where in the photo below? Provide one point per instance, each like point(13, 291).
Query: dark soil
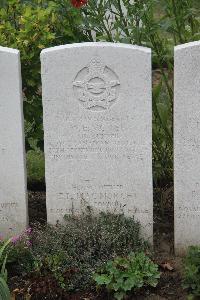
point(170, 285)
point(37, 207)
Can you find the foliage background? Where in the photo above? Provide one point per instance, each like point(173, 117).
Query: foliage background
point(33, 25)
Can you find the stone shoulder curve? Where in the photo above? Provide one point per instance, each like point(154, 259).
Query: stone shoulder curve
point(9, 50)
point(187, 45)
point(96, 44)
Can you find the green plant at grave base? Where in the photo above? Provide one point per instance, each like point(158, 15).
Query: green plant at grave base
point(125, 274)
point(192, 271)
point(4, 289)
point(72, 251)
point(31, 26)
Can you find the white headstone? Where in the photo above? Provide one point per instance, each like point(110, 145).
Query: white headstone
point(13, 204)
point(187, 146)
point(98, 130)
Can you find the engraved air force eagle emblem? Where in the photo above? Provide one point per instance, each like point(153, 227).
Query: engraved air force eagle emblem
point(96, 86)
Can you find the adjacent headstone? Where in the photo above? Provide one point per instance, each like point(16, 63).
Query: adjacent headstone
point(98, 130)
point(187, 146)
point(13, 204)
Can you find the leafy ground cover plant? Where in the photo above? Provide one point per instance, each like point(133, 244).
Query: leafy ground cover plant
point(17, 253)
point(192, 271)
point(125, 274)
point(4, 289)
point(71, 252)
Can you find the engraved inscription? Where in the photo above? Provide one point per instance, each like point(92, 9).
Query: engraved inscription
point(95, 138)
point(185, 212)
point(96, 86)
point(7, 211)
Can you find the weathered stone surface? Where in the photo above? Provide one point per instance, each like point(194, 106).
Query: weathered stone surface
point(97, 122)
point(187, 146)
point(13, 204)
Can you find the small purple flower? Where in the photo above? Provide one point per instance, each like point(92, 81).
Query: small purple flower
point(28, 231)
point(15, 239)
